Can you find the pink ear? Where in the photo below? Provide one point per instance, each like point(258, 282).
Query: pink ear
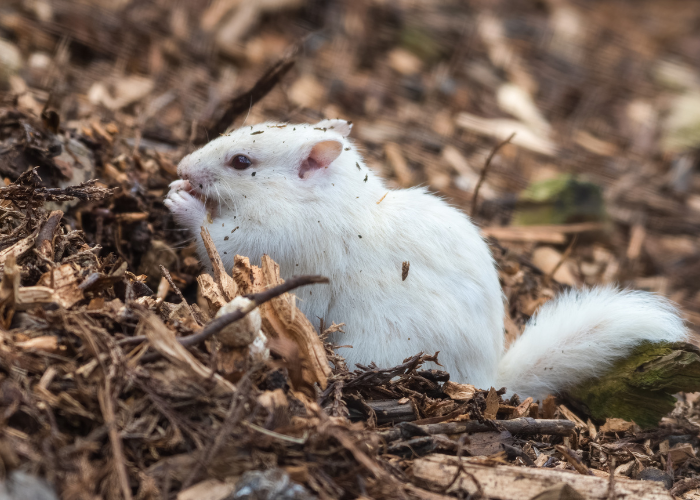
point(321, 155)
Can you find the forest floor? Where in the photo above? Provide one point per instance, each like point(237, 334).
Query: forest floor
point(603, 96)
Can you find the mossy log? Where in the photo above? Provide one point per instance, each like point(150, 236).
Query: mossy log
point(640, 387)
point(562, 200)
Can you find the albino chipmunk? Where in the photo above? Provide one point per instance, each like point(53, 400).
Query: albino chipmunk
point(303, 195)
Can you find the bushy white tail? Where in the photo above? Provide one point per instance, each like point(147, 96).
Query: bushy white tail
point(582, 332)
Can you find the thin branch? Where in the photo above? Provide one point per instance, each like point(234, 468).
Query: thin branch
point(524, 426)
point(107, 407)
point(482, 177)
point(565, 255)
point(219, 323)
point(573, 459)
point(611, 483)
point(257, 92)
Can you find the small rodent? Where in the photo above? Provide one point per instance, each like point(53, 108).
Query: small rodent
point(408, 272)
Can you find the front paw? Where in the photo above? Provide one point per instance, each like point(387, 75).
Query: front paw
point(183, 204)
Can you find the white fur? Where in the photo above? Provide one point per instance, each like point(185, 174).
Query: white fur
point(451, 301)
point(576, 336)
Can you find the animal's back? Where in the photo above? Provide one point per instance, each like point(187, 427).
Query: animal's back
point(451, 295)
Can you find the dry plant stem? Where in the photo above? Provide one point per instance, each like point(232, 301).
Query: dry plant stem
point(564, 256)
point(257, 298)
point(27, 187)
point(484, 171)
point(167, 276)
point(611, 484)
point(522, 426)
point(574, 460)
point(233, 417)
point(669, 466)
point(107, 407)
point(462, 470)
point(258, 91)
point(343, 436)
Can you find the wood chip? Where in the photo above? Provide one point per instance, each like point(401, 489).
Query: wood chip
point(569, 415)
point(492, 403)
point(286, 320)
point(616, 425)
point(211, 292)
point(164, 341)
point(680, 453)
point(459, 392)
point(48, 343)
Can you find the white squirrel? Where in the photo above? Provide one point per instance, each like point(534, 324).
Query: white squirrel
point(303, 195)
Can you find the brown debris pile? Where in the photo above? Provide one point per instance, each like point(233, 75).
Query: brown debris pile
point(109, 390)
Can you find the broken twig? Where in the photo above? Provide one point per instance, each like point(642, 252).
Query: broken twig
point(482, 177)
point(257, 92)
point(169, 278)
point(522, 426)
point(217, 324)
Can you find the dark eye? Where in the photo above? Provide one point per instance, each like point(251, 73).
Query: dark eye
point(240, 162)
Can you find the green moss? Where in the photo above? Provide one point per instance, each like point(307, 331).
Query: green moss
point(421, 43)
point(562, 200)
point(640, 387)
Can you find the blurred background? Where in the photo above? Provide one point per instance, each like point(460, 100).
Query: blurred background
point(599, 184)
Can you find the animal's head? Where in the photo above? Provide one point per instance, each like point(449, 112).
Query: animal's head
point(270, 160)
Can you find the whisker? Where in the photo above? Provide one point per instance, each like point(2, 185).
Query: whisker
point(230, 198)
point(249, 108)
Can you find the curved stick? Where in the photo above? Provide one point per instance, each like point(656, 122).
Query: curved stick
point(218, 324)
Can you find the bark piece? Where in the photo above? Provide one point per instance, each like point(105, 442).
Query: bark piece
point(221, 277)
point(9, 290)
point(247, 276)
point(44, 240)
point(569, 415)
point(286, 320)
point(492, 403)
point(211, 292)
point(518, 426)
point(507, 482)
point(392, 410)
point(459, 392)
point(48, 343)
point(28, 296)
point(65, 285)
point(488, 443)
point(523, 409)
